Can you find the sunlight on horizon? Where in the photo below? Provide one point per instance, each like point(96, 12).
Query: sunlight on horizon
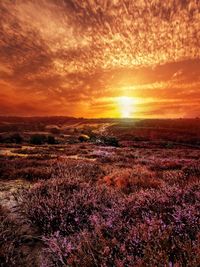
point(126, 106)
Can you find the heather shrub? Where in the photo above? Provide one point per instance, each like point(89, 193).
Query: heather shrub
point(106, 140)
point(133, 179)
point(188, 173)
point(86, 225)
point(172, 177)
point(30, 169)
point(165, 164)
point(34, 169)
point(108, 159)
point(145, 245)
point(138, 233)
point(34, 174)
point(65, 205)
point(10, 240)
point(163, 203)
point(110, 141)
point(86, 171)
point(191, 171)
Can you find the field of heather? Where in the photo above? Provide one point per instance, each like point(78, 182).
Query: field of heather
point(99, 193)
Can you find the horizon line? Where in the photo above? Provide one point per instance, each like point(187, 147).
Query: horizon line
point(98, 118)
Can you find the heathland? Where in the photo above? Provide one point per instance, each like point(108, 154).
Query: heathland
point(99, 192)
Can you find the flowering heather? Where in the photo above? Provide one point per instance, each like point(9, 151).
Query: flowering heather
point(89, 205)
point(82, 170)
point(10, 240)
point(33, 170)
point(66, 206)
point(91, 225)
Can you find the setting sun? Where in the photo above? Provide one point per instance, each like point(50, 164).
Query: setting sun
point(126, 106)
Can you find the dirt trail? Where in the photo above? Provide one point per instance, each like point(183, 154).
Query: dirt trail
point(30, 249)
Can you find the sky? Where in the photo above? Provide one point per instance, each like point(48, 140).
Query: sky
point(100, 58)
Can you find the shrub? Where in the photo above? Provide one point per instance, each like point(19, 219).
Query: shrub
point(191, 170)
point(172, 177)
point(51, 140)
point(129, 180)
point(37, 139)
point(34, 174)
point(81, 170)
point(10, 240)
point(165, 164)
point(65, 205)
point(105, 140)
point(147, 244)
point(110, 141)
point(30, 169)
point(16, 138)
point(150, 228)
point(83, 138)
point(12, 138)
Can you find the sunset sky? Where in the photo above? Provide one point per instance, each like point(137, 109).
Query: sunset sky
point(100, 58)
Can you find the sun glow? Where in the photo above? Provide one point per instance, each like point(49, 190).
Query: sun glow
point(126, 106)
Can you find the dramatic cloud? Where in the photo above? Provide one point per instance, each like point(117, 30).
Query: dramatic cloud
point(77, 58)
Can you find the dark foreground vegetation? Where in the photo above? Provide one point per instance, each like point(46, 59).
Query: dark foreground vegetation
point(92, 203)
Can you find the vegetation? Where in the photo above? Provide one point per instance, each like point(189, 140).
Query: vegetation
point(37, 139)
point(51, 140)
point(11, 138)
point(110, 203)
point(10, 240)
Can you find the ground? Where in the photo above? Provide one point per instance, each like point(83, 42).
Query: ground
point(129, 196)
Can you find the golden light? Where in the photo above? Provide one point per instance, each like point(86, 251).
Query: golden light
point(126, 106)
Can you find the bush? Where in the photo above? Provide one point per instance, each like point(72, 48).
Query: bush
point(51, 140)
point(13, 138)
point(16, 138)
point(77, 170)
point(83, 225)
point(83, 138)
point(66, 206)
point(111, 141)
point(130, 180)
point(147, 244)
point(165, 164)
point(33, 174)
point(38, 139)
point(25, 168)
point(108, 141)
point(191, 170)
point(10, 240)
